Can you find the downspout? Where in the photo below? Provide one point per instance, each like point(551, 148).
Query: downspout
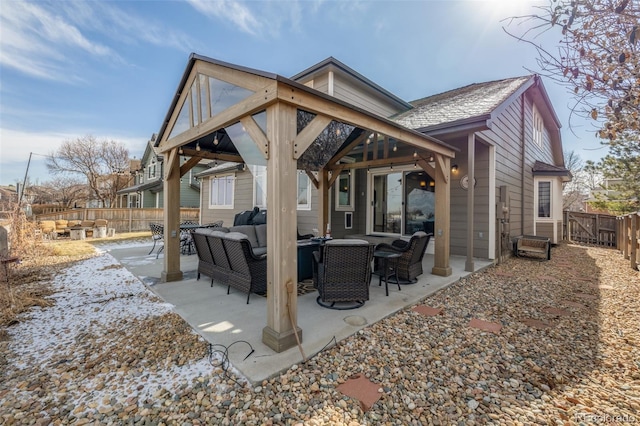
point(522, 163)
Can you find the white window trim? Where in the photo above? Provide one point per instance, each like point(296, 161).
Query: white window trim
point(254, 172)
point(307, 205)
point(538, 127)
point(233, 190)
point(536, 198)
point(352, 183)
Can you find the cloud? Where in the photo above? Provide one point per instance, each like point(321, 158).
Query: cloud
point(46, 40)
point(232, 10)
point(37, 41)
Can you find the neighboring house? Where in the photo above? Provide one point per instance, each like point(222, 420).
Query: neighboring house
point(147, 189)
point(516, 164)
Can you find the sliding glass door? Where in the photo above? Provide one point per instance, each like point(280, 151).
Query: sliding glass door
point(401, 202)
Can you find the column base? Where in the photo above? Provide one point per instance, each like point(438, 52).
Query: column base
point(441, 271)
point(468, 266)
point(280, 342)
point(166, 277)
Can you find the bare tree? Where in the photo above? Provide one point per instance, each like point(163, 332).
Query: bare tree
point(102, 163)
point(574, 192)
point(596, 57)
point(66, 191)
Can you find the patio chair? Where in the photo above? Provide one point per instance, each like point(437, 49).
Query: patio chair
point(206, 262)
point(408, 266)
point(248, 271)
point(342, 272)
point(157, 234)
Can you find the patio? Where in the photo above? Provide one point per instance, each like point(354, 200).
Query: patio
point(225, 319)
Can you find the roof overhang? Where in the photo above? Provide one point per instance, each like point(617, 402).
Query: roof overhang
point(141, 187)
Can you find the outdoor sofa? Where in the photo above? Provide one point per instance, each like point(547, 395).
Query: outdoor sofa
point(235, 257)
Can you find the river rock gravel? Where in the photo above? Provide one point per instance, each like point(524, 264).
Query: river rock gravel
point(111, 353)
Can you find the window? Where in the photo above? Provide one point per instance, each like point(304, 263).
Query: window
point(259, 186)
point(304, 191)
point(345, 191)
point(538, 127)
point(152, 170)
point(544, 199)
point(221, 192)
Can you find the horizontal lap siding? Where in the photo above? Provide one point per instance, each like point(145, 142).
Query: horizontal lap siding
point(481, 201)
point(360, 97)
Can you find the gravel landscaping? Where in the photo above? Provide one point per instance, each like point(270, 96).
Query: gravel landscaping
point(567, 352)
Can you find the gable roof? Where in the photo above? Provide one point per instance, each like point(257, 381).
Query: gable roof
point(332, 63)
point(474, 102)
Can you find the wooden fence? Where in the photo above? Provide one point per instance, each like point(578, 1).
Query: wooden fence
point(122, 220)
point(599, 229)
point(629, 241)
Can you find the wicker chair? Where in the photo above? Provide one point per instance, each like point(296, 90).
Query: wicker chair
point(157, 234)
point(342, 272)
point(408, 266)
point(248, 271)
point(206, 262)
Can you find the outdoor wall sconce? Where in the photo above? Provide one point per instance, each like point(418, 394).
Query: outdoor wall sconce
point(423, 184)
point(454, 168)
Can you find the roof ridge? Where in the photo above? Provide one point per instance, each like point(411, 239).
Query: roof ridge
point(470, 85)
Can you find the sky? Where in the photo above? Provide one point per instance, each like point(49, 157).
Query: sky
point(110, 68)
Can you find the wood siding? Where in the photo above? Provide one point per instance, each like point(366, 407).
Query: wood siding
point(361, 96)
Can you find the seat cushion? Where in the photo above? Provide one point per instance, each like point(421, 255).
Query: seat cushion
point(261, 233)
point(260, 251)
point(249, 231)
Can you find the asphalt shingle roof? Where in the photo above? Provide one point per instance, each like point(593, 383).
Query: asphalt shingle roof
point(474, 100)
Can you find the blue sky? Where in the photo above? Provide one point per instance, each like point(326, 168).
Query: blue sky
point(110, 69)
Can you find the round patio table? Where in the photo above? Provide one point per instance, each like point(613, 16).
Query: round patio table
point(384, 257)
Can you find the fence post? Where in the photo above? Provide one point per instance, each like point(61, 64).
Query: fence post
point(130, 219)
point(633, 241)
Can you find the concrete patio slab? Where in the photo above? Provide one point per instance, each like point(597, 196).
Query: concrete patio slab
point(225, 319)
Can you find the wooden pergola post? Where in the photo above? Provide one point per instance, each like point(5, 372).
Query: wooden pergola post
point(282, 272)
point(171, 196)
point(443, 217)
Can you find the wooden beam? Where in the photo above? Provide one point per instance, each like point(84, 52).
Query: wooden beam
point(254, 103)
point(171, 163)
point(424, 164)
point(236, 77)
point(256, 134)
point(171, 198)
point(347, 149)
point(440, 165)
point(318, 105)
point(281, 331)
point(206, 155)
point(309, 134)
point(406, 159)
point(385, 147)
point(332, 179)
point(188, 165)
point(312, 178)
point(442, 225)
point(375, 146)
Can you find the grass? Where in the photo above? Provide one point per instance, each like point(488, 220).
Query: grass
point(40, 260)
